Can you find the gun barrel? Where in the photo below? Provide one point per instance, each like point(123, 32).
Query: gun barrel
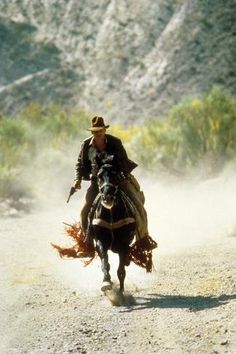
point(72, 191)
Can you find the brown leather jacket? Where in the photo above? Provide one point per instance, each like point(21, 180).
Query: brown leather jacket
point(114, 147)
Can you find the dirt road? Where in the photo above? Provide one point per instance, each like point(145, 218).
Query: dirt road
point(49, 305)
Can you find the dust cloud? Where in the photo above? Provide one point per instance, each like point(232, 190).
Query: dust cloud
point(182, 214)
point(191, 212)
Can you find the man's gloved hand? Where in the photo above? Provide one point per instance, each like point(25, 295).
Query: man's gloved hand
point(77, 184)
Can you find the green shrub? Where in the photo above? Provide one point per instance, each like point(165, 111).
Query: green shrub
point(24, 138)
point(195, 130)
point(205, 128)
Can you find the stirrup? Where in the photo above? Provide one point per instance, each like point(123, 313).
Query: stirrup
point(148, 243)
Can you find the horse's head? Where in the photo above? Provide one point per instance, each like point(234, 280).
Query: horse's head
point(107, 179)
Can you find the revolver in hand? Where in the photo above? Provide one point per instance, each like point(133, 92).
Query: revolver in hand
point(74, 189)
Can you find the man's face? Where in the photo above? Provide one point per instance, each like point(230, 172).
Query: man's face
point(99, 134)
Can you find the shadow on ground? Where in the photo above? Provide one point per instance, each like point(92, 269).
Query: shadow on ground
point(193, 303)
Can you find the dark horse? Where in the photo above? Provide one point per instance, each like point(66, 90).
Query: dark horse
point(112, 223)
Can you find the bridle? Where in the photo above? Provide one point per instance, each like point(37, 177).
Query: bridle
point(106, 184)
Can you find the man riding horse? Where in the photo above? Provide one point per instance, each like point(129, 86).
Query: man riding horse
point(92, 152)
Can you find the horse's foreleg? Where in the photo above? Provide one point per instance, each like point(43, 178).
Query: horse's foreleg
point(121, 271)
point(102, 252)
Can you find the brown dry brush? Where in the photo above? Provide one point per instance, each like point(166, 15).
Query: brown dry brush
point(79, 246)
point(140, 252)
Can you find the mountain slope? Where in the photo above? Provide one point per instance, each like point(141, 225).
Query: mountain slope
point(126, 59)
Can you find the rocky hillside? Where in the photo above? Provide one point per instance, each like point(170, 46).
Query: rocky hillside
point(128, 59)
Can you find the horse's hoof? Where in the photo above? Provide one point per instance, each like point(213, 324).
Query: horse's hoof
point(106, 285)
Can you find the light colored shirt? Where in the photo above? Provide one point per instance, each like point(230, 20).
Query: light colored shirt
point(92, 154)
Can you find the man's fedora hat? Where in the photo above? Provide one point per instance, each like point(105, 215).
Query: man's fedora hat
point(97, 123)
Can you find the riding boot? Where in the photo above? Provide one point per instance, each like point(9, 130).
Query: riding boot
point(85, 219)
point(132, 189)
point(141, 215)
